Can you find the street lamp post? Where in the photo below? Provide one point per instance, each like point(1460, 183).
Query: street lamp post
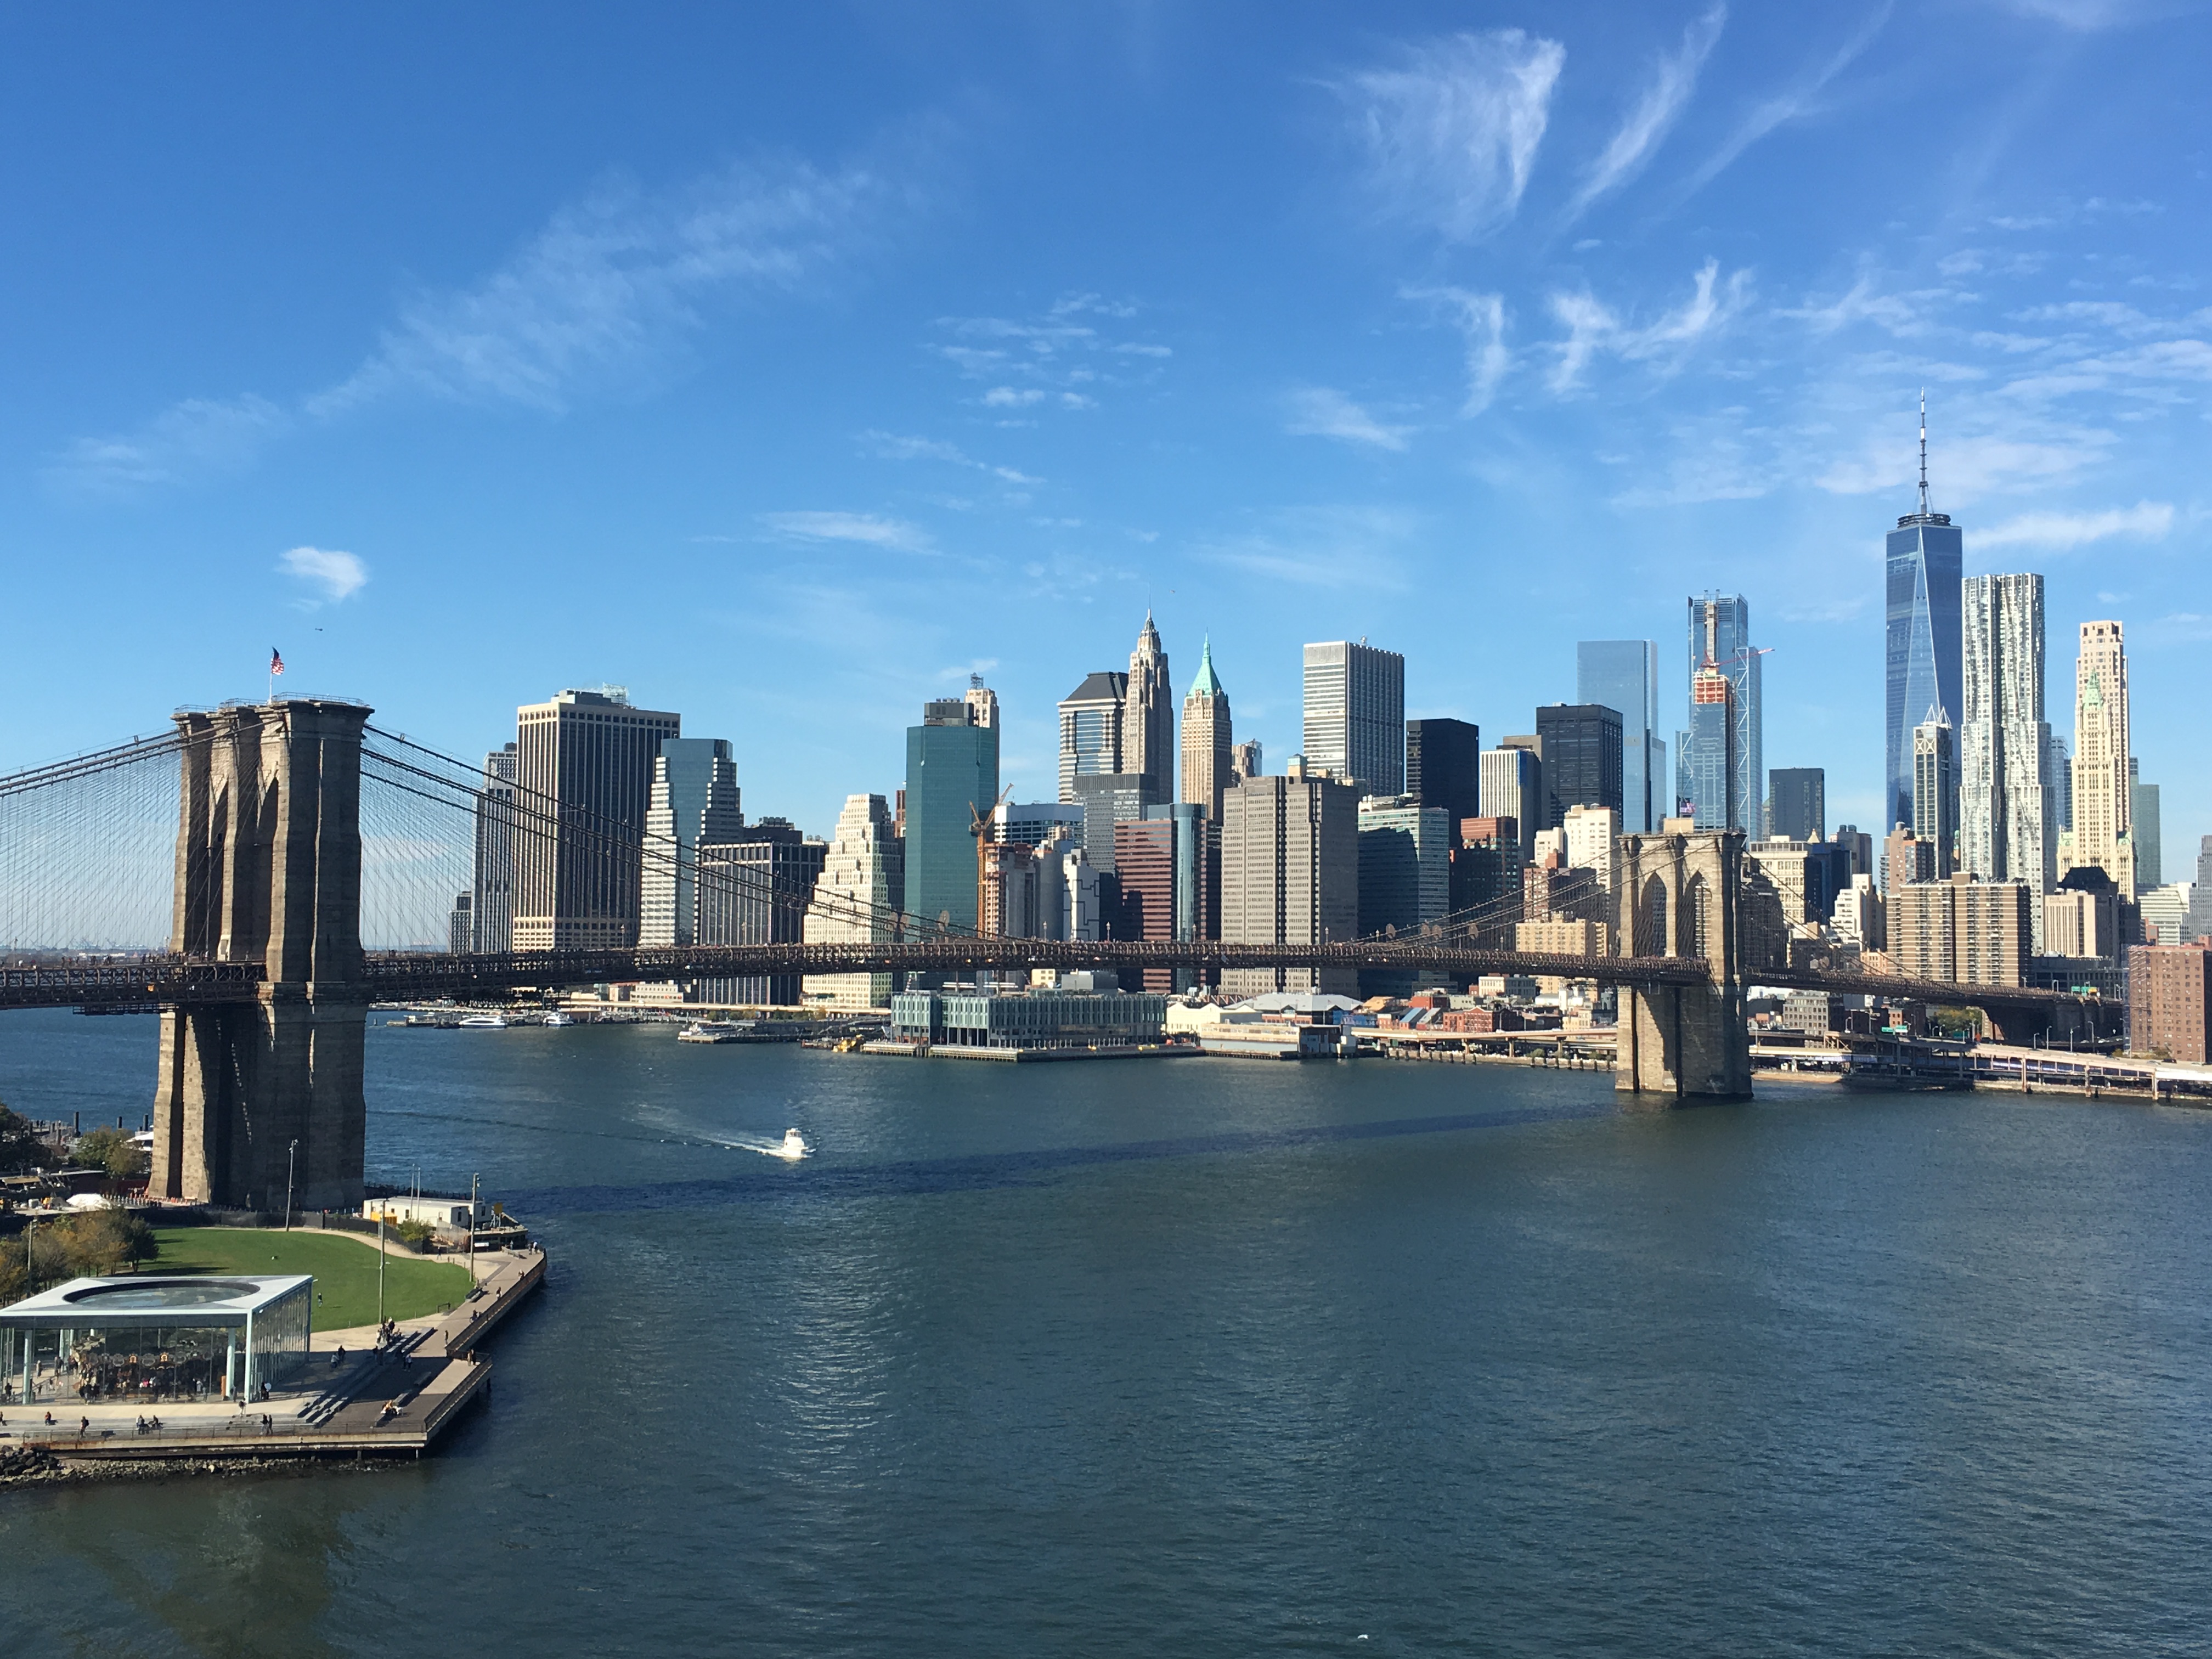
point(291, 1158)
point(379, 1273)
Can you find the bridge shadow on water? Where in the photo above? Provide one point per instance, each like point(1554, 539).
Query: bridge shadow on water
point(816, 1182)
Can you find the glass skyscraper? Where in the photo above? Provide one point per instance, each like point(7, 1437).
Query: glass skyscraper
point(1725, 777)
point(951, 779)
point(1624, 674)
point(1922, 658)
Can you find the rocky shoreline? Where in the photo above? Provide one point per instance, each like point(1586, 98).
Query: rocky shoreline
point(32, 1465)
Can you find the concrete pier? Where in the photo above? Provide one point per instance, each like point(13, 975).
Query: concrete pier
point(390, 1403)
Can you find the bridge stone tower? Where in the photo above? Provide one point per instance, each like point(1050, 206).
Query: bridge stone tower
point(268, 870)
point(1677, 896)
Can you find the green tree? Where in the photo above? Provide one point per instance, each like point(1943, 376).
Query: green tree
point(20, 1148)
point(99, 1241)
point(112, 1150)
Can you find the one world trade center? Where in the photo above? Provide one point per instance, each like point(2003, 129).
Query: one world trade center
point(1926, 561)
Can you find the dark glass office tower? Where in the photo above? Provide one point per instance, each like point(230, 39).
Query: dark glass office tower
point(1581, 756)
point(1443, 767)
point(1797, 803)
point(1923, 656)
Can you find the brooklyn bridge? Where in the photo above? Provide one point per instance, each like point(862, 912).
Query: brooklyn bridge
point(265, 873)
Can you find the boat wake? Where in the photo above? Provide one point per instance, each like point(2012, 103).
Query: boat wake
point(791, 1148)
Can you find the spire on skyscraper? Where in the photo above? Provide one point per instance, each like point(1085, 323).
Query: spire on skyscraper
point(1205, 684)
point(1923, 449)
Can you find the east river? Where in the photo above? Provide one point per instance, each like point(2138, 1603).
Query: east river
point(1217, 1357)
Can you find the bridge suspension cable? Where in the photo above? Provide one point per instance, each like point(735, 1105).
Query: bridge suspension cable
point(421, 807)
point(87, 851)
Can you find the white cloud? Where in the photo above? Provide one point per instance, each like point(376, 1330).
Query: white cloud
point(895, 447)
point(339, 575)
point(1052, 354)
point(1795, 104)
point(192, 440)
point(1322, 547)
point(2104, 313)
point(604, 296)
point(2086, 16)
point(1453, 128)
point(1673, 79)
point(1593, 327)
point(610, 287)
point(1481, 318)
point(1319, 411)
point(1965, 468)
point(2057, 533)
point(1890, 311)
point(893, 534)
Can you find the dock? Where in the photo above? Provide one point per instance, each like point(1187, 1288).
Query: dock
point(352, 1400)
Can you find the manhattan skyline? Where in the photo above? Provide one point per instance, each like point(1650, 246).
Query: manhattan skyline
point(788, 372)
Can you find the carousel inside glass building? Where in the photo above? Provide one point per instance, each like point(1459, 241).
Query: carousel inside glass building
point(149, 1340)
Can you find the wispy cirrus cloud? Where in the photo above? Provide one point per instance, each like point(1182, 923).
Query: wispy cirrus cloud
point(1673, 80)
point(868, 528)
point(1452, 127)
point(2061, 532)
point(1319, 411)
point(1593, 327)
point(1480, 318)
point(897, 447)
point(336, 575)
point(1060, 357)
point(1320, 546)
point(198, 438)
point(1971, 465)
point(1793, 104)
point(605, 297)
point(609, 291)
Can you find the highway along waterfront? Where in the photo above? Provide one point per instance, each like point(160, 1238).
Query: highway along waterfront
point(1219, 1358)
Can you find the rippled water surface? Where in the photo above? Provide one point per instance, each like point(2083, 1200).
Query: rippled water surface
point(1217, 1357)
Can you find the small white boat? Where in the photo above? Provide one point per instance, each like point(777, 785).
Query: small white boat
point(794, 1146)
point(484, 1023)
point(558, 1019)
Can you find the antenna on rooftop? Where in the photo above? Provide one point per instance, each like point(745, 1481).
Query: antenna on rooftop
point(1923, 449)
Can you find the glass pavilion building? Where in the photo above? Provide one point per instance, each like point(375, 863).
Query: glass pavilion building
point(155, 1339)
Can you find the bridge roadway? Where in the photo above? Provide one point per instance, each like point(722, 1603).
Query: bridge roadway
point(398, 976)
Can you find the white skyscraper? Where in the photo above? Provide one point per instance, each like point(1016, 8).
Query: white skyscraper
point(861, 888)
point(695, 799)
point(1148, 718)
point(2104, 805)
point(2008, 813)
point(1512, 786)
point(1355, 715)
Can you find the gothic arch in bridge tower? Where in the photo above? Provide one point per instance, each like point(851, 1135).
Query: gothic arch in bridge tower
point(268, 872)
point(1650, 935)
point(1680, 1043)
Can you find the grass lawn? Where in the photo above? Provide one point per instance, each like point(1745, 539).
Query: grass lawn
point(345, 1271)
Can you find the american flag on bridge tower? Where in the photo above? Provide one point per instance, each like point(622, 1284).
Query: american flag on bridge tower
point(276, 661)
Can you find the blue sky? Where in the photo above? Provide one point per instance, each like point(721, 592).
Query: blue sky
point(786, 364)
